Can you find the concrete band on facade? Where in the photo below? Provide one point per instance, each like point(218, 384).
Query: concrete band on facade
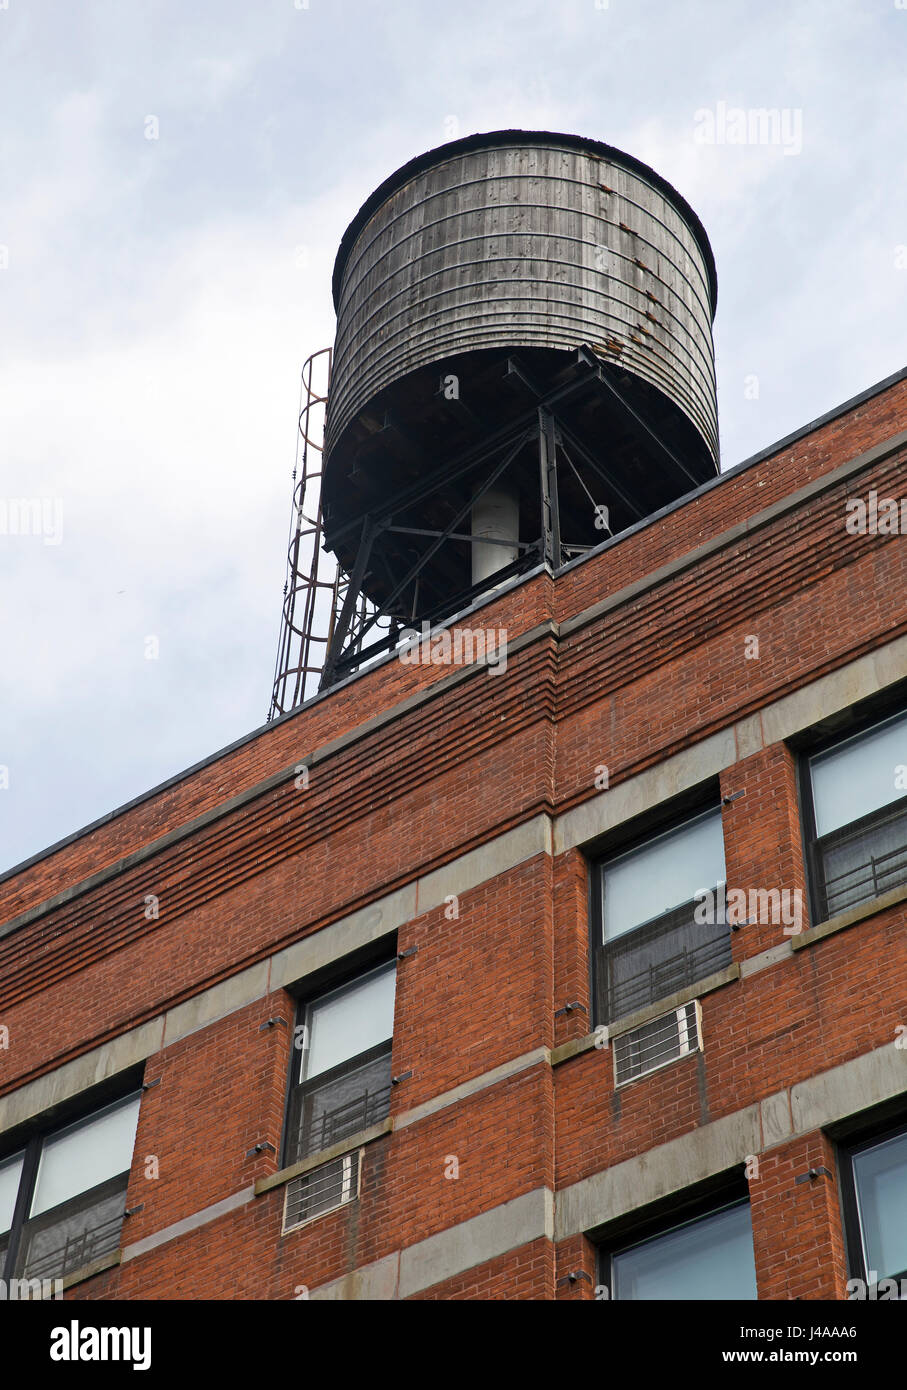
point(448, 1253)
point(188, 1223)
point(614, 1192)
point(685, 770)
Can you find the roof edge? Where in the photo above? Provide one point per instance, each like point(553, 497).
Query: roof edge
point(851, 404)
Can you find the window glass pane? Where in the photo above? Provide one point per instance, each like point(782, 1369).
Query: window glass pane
point(351, 1021)
point(859, 777)
point(10, 1173)
point(663, 874)
point(55, 1244)
point(862, 864)
point(84, 1155)
point(657, 960)
point(323, 1113)
point(709, 1259)
point(880, 1177)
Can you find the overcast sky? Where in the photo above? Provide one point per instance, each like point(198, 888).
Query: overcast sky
point(159, 295)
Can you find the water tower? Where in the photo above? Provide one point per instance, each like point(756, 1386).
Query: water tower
point(523, 367)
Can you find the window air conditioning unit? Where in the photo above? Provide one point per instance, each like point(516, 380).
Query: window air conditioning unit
point(321, 1190)
point(656, 1044)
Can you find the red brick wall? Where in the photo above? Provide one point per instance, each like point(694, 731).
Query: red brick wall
point(648, 679)
point(797, 1226)
point(831, 1002)
point(228, 1082)
point(447, 1034)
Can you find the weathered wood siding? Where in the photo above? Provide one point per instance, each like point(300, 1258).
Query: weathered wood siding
point(523, 245)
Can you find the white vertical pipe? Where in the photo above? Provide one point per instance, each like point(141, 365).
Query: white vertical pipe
point(495, 516)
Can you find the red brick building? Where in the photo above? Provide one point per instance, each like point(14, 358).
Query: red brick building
point(579, 974)
point(453, 833)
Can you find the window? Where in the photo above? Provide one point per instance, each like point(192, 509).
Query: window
point(874, 1194)
point(859, 817)
point(710, 1257)
point(62, 1197)
point(649, 944)
point(342, 1075)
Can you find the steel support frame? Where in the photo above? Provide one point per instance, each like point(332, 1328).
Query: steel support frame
point(553, 438)
point(551, 520)
point(338, 659)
